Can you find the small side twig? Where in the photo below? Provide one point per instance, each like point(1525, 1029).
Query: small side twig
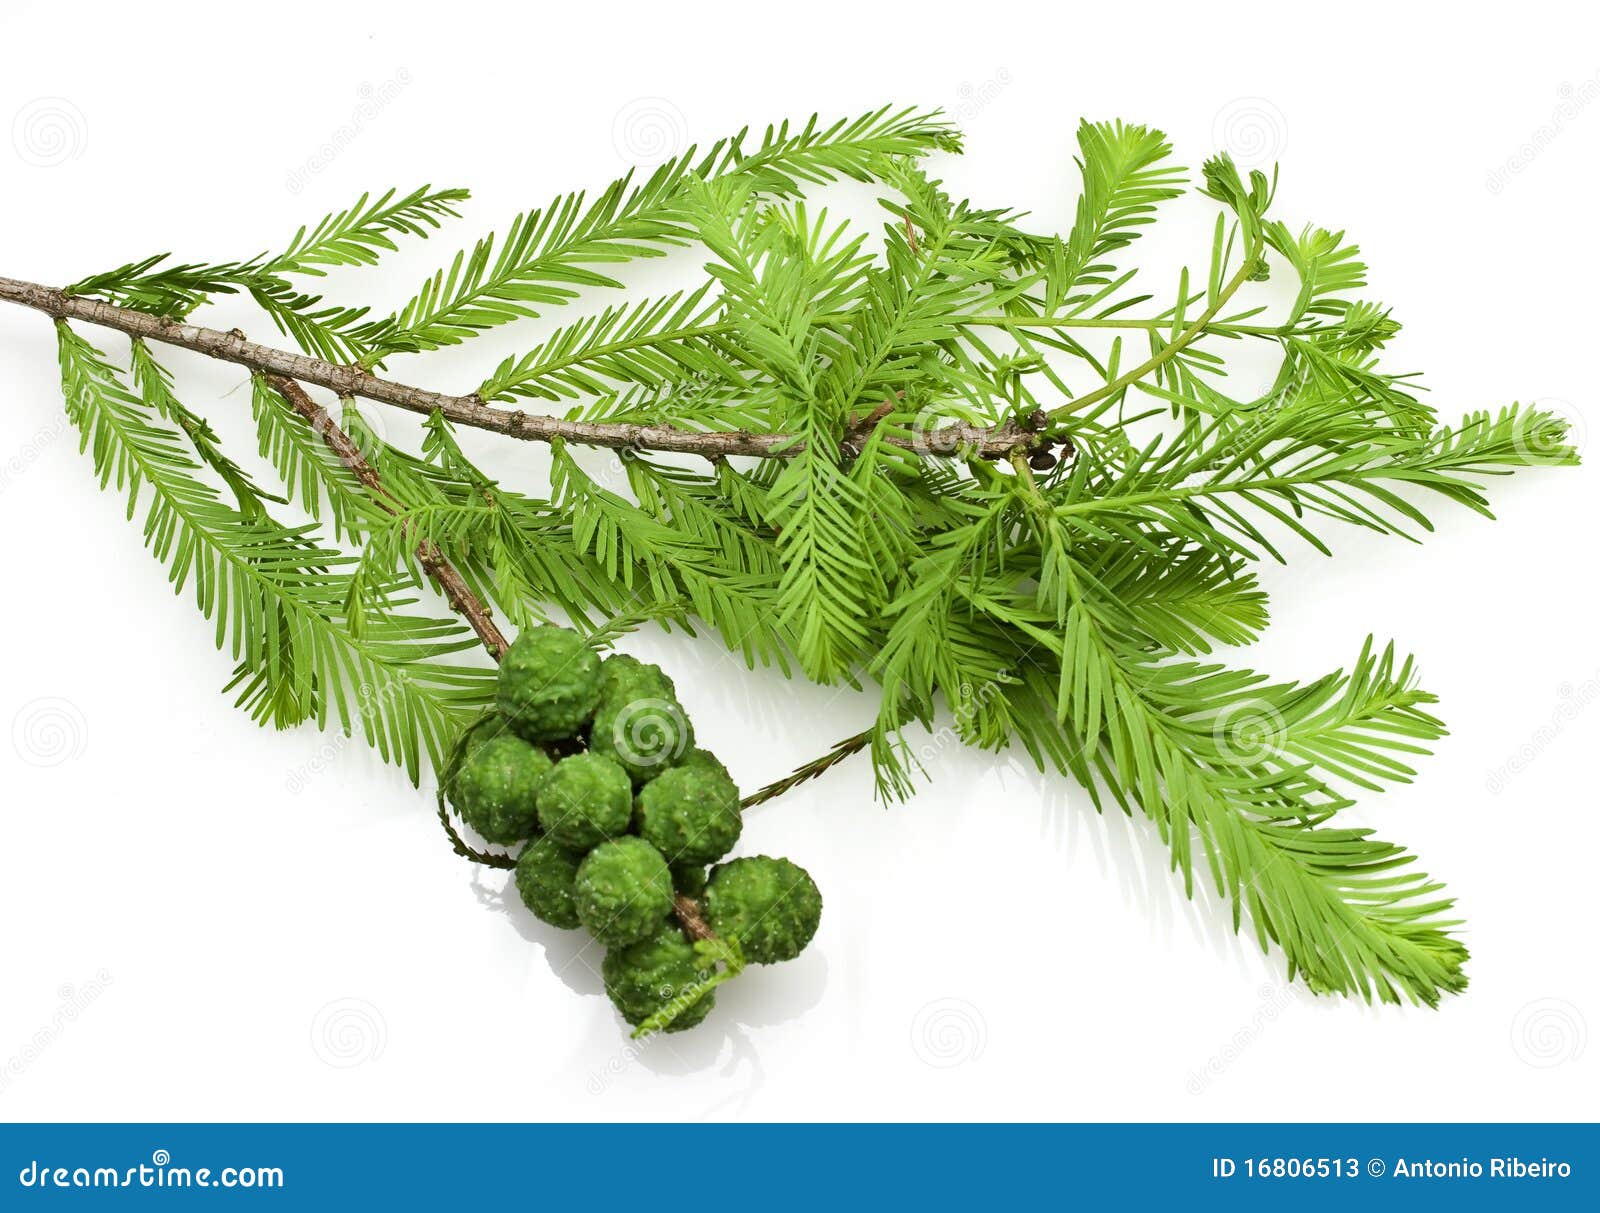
point(444, 574)
point(687, 911)
point(811, 770)
point(458, 844)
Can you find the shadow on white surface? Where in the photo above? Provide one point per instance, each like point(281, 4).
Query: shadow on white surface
point(764, 996)
point(1128, 851)
point(573, 956)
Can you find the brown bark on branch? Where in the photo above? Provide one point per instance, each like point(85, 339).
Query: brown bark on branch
point(957, 439)
point(434, 563)
point(687, 911)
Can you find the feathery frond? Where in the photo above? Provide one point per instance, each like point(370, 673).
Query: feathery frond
point(360, 234)
point(275, 595)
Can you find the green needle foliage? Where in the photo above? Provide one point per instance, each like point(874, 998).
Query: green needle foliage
point(277, 596)
point(1067, 600)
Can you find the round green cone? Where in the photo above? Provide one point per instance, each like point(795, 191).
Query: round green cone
point(623, 890)
point(704, 760)
point(645, 732)
point(546, 875)
point(623, 677)
point(648, 976)
point(690, 814)
point(771, 906)
point(549, 684)
point(587, 799)
point(496, 787)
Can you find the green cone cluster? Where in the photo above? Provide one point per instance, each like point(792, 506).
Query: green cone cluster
point(625, 821)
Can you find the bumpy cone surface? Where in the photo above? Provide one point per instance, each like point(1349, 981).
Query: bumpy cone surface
point(549, 684)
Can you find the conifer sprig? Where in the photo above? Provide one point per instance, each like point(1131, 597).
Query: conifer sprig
point(275, 594)
point(972, 464)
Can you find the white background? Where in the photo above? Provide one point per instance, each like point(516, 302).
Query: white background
point(206, 920)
